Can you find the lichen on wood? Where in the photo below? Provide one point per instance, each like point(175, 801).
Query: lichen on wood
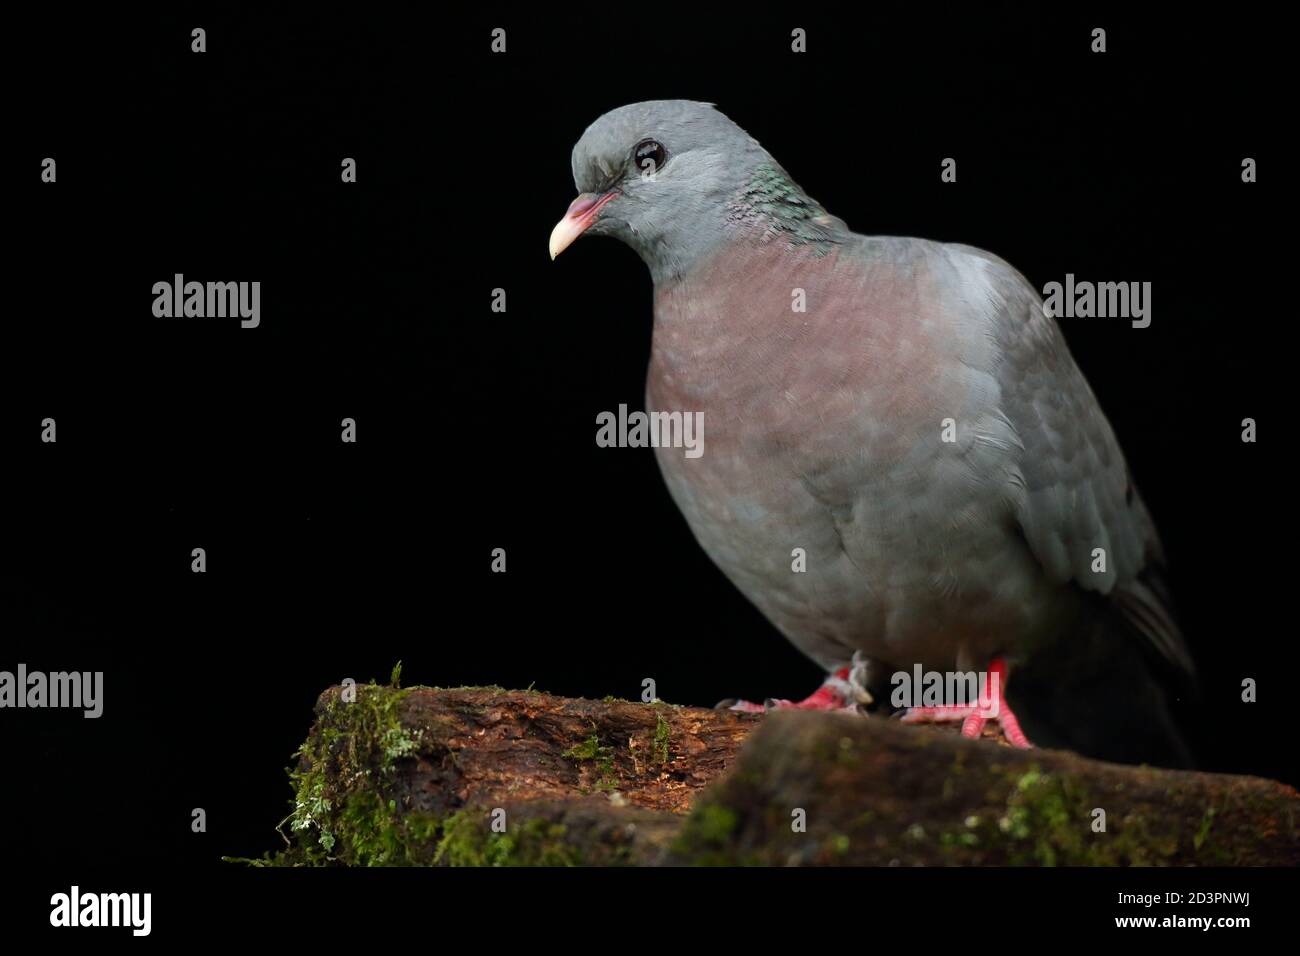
point(488, 777)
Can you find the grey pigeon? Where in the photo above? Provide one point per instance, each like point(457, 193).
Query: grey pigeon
point(919, 432)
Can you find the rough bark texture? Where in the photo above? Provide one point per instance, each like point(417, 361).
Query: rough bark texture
point(482, 776)
point(491, 745)
point(875, 792)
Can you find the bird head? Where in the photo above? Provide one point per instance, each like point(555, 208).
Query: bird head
point(659, 176)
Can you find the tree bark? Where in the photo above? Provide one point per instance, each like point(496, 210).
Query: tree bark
point(482, 776)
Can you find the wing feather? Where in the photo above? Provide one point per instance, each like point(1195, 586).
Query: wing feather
point(1074, 498)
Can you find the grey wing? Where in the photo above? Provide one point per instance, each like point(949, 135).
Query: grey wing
point(1075, 502)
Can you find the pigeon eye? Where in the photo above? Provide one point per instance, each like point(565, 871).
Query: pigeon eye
point(649, 157)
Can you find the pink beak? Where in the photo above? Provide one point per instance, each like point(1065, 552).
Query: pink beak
point(582, 213)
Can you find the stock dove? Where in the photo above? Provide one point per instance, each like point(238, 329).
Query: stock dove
point(905, 416)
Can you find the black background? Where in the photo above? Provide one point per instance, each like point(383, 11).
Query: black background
point(476, 429)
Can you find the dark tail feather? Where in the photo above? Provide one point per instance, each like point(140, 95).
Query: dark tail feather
point(1145, 605)
point(1098, 690)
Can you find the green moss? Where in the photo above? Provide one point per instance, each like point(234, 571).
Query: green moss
point(397, 743)
point(707, 837)
point(592, 749)
point(372, 833)
point(1203, 831)
point(589, 749)
point(347, 804)
point(964, 838)
point(343, 811)
point(1048, 821)
point(662, 733)
point(1045, 821)
point(267, 860)
point(468, 840)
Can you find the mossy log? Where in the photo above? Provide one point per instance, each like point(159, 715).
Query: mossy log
point(482, 776)
point(873, 792)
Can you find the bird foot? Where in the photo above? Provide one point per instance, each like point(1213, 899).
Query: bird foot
point(838, 692)
point(975, 716)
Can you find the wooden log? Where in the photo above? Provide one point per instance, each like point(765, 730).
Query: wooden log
point(873, 792)
point(483, 776)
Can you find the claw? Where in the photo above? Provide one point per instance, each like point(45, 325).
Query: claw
point(838, 692)
point(974, 717)
point(740, 706)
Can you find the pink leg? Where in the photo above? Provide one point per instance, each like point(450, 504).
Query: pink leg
point(835, 694)
point(975, 716)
